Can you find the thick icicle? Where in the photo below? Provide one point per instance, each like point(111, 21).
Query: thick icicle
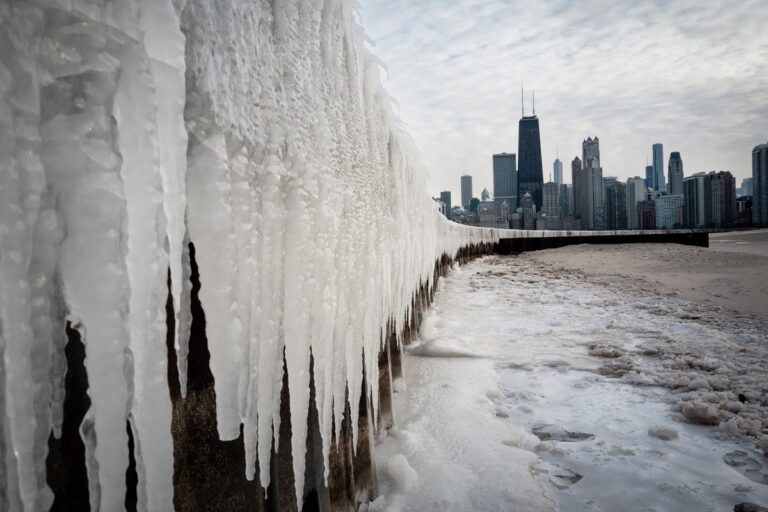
point(147, 264)
point(164, 45)
point(211, 226)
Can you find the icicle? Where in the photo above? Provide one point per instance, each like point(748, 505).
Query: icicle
point(209, 189)
point(164, 44)
point(147, 263)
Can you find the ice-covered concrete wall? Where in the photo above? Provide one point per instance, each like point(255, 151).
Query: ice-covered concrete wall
point(257, 130)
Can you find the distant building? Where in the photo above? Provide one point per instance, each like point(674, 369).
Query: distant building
point(440, 205)
point(588, 187)
point(577, 182)
point(723, 197)
point(529, 211)
point(458, 214)
point(616, 204)
point(565, 200)
point(590, 148)
point(551, 208)
point(445, 198)
point(760, 185)
point(646, 214)
point(466, 191)
point(635, 193)
point(669, 212)
point(485, 195)
point(675, 174)
point(746, 187)
point(744, 211)
point(649, 177)
point(557, 167)
point(487, 214)
point(652, 195)
point(530, 176)
point(596, 214)
point(694, 201)
point(504, 181)
point(658, 168)
point(505, 211)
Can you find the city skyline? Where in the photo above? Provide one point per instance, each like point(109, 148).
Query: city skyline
point(664, 80)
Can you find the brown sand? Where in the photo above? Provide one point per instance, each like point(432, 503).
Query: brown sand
point(732, 274)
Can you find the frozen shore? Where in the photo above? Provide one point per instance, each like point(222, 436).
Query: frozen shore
point(576, 379)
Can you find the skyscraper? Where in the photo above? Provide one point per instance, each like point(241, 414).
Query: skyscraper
point(466, 191)
point(694, 211)
point(590, 148)
point(529, 211)
point(530, 177)
point(723, 198)
point(591, 189)
point(558, 171)
point(551, 197)
point(577, 207)
point(445, 198)
point(760, 185)
point(596, 215)
point(649, 177)
point(616, 204)
point(504, 182)
point(675, 175)
point(635, 193)
point(658, 168)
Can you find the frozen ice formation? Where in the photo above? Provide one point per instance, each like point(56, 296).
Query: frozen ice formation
point(257, 130)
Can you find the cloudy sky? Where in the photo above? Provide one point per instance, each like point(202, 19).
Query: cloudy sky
point(691, 74)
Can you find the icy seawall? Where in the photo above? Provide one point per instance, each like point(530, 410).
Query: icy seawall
point(259, 132)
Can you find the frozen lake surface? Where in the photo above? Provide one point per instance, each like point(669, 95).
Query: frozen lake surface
point(535, 390)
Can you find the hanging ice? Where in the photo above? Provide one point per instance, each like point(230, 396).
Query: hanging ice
point(259, 132)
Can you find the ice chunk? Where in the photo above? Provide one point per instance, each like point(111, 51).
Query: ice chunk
point(663, 433)
point(705, 414)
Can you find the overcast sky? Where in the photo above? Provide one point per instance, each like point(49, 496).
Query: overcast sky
point(691, 74)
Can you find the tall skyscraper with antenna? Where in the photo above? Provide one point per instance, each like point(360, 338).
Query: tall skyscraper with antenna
point(530, 175)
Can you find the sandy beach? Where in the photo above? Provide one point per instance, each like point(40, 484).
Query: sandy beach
point(732, 274)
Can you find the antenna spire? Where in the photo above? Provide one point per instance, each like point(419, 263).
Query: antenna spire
point(522, 99)
point(534, 102)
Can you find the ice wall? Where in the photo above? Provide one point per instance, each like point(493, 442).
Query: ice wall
point(258, 130)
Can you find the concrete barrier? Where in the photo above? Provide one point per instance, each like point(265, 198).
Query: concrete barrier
point(515, 244)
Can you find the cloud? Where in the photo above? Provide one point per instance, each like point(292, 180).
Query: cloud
point(692, 74)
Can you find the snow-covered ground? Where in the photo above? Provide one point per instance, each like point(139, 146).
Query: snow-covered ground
point(533, 388)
